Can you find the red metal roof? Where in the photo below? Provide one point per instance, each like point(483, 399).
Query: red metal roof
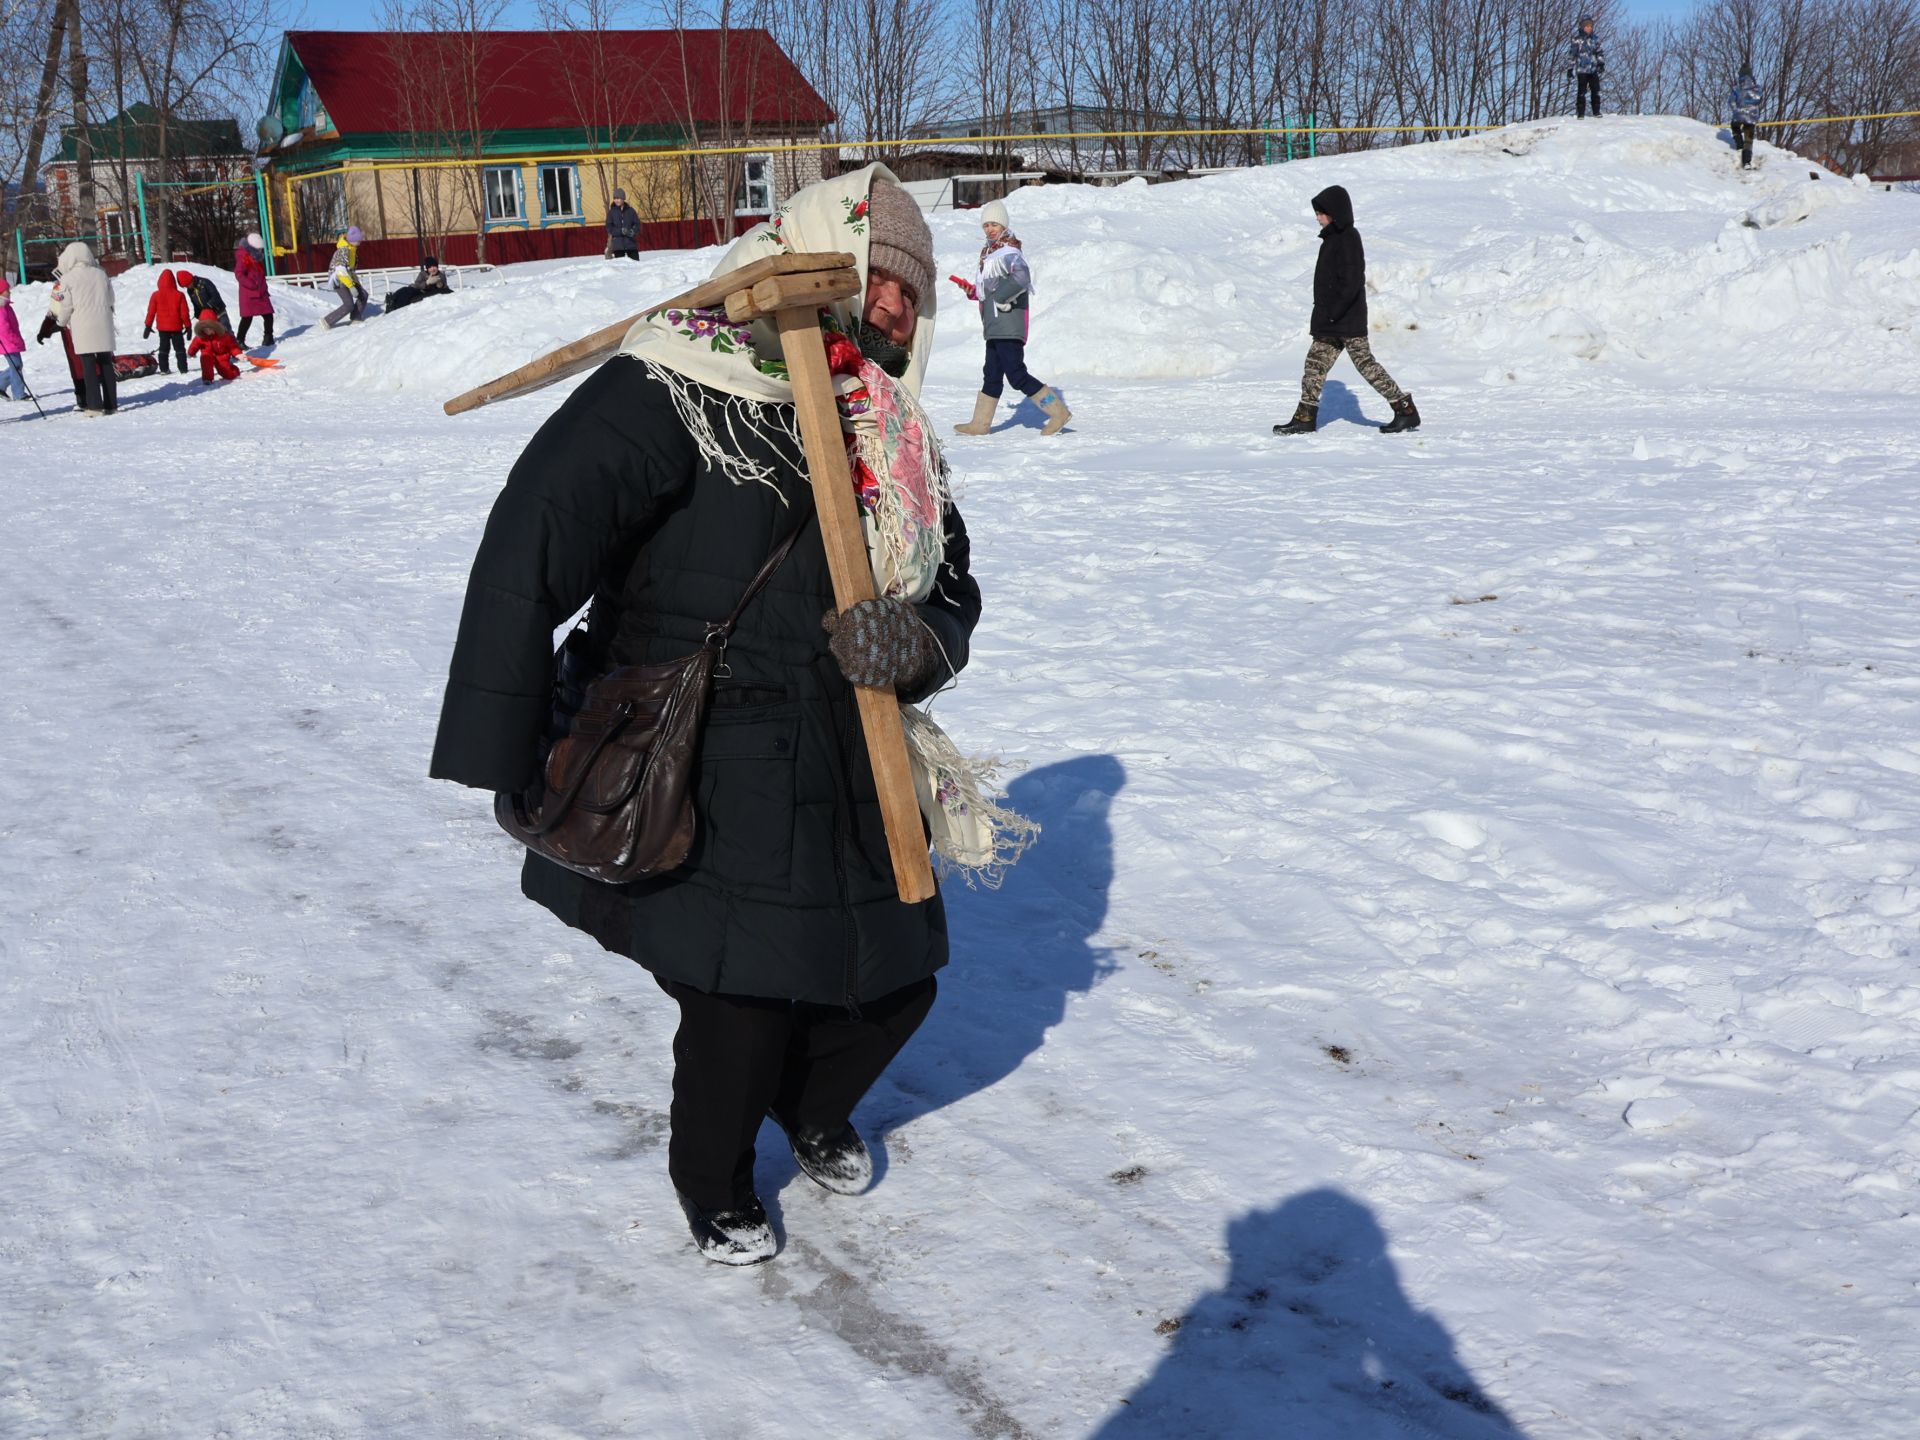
point(360, 76)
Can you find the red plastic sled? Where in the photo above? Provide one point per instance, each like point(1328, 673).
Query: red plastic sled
point(260, 362)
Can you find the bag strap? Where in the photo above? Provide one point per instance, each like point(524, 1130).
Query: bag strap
point(718, 635)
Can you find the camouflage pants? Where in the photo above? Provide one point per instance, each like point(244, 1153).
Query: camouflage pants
point(1326, 349)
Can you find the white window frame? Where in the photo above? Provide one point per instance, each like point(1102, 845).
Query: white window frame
point(561, 217)
point(749, 186)
point(487, 179)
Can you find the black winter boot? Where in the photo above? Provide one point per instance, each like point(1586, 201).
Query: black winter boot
point(740, 1236)
point(1405, 417)
point(838, 1162)
point(1306, 418)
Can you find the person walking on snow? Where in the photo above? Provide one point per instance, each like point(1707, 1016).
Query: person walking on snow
point(167, 313)
point(250, 274)
point(83, 307)
point(346, 280)
point(1586, 63)
point(215, 347)
point(623, 228)
point(657, 491)
point(13, 377)
point(1339, 320)
point(1745, 103)
point(1003, 286)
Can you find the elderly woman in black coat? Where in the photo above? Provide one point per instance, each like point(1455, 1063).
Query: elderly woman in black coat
point(657, 491)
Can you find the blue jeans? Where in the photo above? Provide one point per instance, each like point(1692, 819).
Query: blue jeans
point(13, 377)
point(1008, 359)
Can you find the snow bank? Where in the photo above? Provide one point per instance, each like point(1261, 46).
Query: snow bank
point(1464, 986)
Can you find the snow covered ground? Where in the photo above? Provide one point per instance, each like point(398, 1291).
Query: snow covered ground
point(1466, 986)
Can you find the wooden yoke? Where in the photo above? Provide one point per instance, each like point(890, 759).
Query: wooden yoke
point(585, 353)
point(793, 300)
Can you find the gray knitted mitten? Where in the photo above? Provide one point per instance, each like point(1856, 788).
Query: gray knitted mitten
point(881, 643)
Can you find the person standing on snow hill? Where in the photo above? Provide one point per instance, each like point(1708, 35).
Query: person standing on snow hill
point(1745, 103)
point(346, 280)
point(201, 293)
point(250, 274)
point(1587, 62)
point(13, 378)
point(1003, 286)
point(623, 228)
point(1339, 320)
point(167, 312)
point(83, 307)
point(215, 347)
point(658, 490)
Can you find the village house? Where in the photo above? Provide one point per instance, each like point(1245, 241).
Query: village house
point(507, 145)
point(126, 149)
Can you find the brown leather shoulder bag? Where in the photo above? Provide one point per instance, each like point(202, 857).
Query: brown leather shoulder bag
point(615, 796)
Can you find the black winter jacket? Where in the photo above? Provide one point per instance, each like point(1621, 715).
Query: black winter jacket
point(1340, 275)
point(789, 891)
point(623, 227)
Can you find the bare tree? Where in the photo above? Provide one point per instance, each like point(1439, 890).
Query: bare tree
point(31, 33)
point(444, 61)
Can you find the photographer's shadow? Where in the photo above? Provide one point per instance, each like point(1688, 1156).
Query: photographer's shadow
point(1018, 951)
point(1311, 1338)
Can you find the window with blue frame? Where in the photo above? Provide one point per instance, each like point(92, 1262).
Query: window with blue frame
point(505, 195)
point(559, 194)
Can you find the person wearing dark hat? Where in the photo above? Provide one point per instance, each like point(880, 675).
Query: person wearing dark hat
point(430, 279)
point(1339, 321)
point(658, 491)
point(623, 228)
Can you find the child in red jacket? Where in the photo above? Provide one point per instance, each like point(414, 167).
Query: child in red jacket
point(167, 312)
point(215, 347)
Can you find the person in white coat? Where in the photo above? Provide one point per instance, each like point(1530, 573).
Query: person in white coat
point(83, 307)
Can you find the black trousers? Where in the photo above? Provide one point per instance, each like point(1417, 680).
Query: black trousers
point(1583, 86)
point(101, 384)
point(173, 343)
point(739, 1058)
point(245, 321)
point(1743, 140)
point(1007, 360)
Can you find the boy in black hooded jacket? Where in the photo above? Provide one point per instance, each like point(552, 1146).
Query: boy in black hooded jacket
point(1340, 320)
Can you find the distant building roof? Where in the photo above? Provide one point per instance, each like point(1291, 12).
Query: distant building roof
point(134, 134)
point(358, 76)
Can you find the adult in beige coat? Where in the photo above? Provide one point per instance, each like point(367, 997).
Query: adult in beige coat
point(83, 307)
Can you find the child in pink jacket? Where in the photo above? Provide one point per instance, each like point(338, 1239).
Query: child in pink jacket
point(13, 380)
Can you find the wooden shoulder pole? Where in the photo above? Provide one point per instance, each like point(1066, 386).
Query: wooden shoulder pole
point(585, 353)
point(806, 353)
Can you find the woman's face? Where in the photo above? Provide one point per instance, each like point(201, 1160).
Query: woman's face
point(996, 232)
point(891, 306)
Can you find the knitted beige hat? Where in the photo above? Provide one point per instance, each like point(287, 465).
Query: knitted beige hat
point(900, 241)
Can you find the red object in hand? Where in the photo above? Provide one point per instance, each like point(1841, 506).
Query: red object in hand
point(966, 285)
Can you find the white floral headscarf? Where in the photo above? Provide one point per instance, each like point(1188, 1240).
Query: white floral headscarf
point(898, 471)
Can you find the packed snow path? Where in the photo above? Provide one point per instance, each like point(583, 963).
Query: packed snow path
point(1465, 987)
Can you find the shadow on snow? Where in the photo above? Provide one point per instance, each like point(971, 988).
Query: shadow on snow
point(1311, 1337)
